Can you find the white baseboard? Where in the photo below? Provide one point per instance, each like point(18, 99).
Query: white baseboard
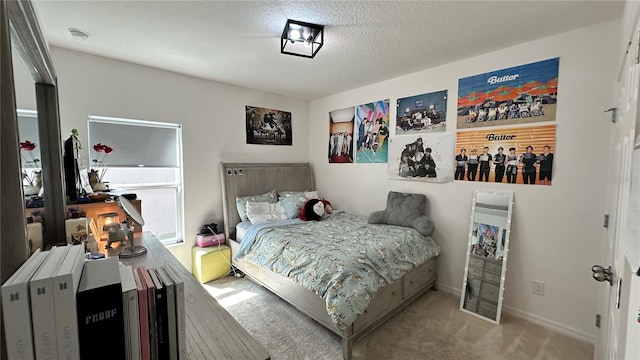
point(536, 319)
point(550, 324)
point(448, 289)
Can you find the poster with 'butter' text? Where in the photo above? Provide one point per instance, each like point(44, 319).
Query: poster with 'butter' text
point(517, 95)
point(522, 155)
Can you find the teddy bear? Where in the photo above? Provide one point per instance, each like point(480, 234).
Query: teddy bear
point(314, 209)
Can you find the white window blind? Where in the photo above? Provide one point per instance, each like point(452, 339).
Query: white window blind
point(136, 143)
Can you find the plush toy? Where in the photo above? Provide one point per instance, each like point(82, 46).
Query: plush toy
point(313, 209)
point(328, 209)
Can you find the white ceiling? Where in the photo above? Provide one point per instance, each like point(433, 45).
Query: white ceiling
point(238, 42)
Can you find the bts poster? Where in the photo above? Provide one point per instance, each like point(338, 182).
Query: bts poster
point(372, 122)
point(422, 113)
point(521, 155)
point(517, 95)
point(422, 157)
point(341, 135)
point(488, 241)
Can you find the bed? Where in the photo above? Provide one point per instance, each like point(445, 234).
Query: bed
point(242, 179)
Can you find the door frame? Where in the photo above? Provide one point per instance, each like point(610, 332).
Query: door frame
point(612, 340)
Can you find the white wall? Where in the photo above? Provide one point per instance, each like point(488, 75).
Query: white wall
point(211, 114)
point(557, 231)
point(24, 87)
point(556, 234)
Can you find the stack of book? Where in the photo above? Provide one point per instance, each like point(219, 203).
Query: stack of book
point(60, 306)
point(160, 301)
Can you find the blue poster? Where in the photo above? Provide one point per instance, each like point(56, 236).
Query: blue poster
point(422, 113)
point(372, 124)
point(521, 94)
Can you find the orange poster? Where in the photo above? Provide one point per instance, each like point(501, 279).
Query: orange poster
point(522, 155)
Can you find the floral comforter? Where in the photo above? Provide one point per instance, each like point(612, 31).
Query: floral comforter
point(341, 258)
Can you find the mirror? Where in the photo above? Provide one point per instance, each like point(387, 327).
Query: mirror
point(487, 250)
point(20, 34)
point(28, 133)
point(29, 139)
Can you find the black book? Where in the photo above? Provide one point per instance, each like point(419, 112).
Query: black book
point(169, 285)
point(162, 315)
point(99, 306)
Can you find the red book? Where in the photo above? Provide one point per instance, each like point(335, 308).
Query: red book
point(143, 306)
point(151, 313)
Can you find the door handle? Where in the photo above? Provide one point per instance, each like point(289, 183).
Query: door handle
point(602, 274)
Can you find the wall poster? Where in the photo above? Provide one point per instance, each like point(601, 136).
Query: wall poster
point(372, 122)
point(522, 155)
point(488, 241)
point(268, 126)
point(422, 113)
point(341, 135)
point(517, 95)
point(422, 157)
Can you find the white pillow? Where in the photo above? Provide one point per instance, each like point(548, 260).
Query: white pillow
point(311, 195)
point(259, 212)
point(241, 202)
point(307, 194)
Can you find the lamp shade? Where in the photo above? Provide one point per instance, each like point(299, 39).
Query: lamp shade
point(301, 39)
point(105, 220)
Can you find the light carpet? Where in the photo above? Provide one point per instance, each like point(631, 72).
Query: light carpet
point(430, 328)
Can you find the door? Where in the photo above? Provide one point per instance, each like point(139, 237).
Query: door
point(615, 306)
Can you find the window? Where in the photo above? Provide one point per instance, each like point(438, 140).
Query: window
point(31, 161)
point(147, 161)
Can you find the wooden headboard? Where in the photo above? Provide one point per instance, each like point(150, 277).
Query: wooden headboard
point(244, 179)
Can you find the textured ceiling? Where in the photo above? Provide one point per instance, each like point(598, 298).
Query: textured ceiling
point(238, 42)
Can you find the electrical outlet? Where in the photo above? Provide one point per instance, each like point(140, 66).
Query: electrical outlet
point(538, 287)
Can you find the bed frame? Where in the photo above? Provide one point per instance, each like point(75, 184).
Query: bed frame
point(242, 179)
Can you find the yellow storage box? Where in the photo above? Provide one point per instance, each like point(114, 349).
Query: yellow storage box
point(210, 263)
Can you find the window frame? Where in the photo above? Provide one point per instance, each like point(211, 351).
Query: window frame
point(177, 184)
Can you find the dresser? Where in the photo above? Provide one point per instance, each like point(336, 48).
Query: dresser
point(484, 285)
point(212, 333)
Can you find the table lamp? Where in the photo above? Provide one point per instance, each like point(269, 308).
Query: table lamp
point(105, 221)
point(133, 218)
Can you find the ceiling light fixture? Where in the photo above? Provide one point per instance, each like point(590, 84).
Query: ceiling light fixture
point(78, 34)
point(301, 39)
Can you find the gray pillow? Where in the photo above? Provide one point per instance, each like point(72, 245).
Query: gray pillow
point(405, 209)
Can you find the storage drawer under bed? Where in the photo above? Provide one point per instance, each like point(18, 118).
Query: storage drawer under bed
point(385, 299)
point(390, 296)
point(418, 278)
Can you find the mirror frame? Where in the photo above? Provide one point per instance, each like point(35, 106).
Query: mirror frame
point(510, 196)
point(19, 30)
